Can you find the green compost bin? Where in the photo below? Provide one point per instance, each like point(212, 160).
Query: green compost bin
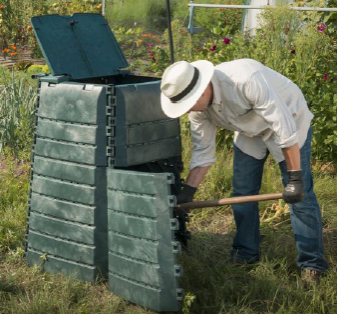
point(100, 135)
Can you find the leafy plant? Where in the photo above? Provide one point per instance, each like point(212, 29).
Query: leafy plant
point(17, 107)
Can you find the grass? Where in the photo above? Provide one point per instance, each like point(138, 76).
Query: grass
point(212, 285)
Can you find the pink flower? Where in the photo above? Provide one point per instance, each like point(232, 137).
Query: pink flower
point(226, 40)
point(325, 77)
point(150, 44)
point(321, 27)
point(213, 48)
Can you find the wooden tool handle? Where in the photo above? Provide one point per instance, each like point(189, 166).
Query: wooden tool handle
point(232, 200)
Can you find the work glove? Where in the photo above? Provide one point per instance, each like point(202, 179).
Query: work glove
point(186, 194)
point(293, 192)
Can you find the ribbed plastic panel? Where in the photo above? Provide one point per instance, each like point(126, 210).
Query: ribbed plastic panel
point(142, 247)
point(141, 132)
point(67, 229)
point(71, 123)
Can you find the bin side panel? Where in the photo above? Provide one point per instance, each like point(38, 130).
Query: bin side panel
point(134, 247)
point(138, 183)
point(62, 209)
point(138, 134)
point(138, 293)
point(132, 225)
point(66, 131)
point(148, 273)
point(73, 102)
point(74, 251)
point(54, 264)
point(62, 229)
point(142, 250)
point(64, 190)
point(67, 212)
point(62, 170)
point(141, 102)
point(71, 123)
point(65, 151)
point(142, 132)
point(131, 204)
point(150, 152)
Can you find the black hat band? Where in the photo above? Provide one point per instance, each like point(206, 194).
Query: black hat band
point(188, 88)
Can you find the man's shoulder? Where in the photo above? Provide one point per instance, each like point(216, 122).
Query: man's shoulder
point(237, 70)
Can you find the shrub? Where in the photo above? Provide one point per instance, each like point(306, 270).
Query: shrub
point(17, 107)
point(38, 68)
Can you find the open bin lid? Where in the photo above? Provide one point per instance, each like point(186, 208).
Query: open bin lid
point(80, 46)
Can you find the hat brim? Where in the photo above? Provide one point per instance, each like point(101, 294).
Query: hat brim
point(177, 109)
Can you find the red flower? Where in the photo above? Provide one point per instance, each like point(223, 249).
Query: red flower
point(226, 40)
point(213, 48)
point(325, 77)
point(321, 27)
point(293, 51)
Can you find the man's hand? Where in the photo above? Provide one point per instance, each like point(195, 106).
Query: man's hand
point(186, 195)
point(293, 192)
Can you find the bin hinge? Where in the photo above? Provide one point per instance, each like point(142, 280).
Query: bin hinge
point(174, 224)
point(111, 111)
point(110, 90)
point(111, 162)
point(178, 271)
point(180, 294)
point(111, 121)
point(111, 142)
point(172, 201)
point(111, 100)
point(110, 131)
point(170, 178)
point(176, 247)
point(110, 152)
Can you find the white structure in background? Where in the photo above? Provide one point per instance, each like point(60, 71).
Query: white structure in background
point(251, 19)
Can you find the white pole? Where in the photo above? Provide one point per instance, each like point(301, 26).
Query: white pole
point(103, 7)
point(258, 7)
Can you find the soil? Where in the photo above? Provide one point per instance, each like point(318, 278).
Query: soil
point(20, 168)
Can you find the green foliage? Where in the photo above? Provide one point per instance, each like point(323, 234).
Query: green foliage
point(13, 204)
point(15, 25)
point(38, 68)
point(17, 108)
point(150, 14)
point(13, 22)
point(219, 18)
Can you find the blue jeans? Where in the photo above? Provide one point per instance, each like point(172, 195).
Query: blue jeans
point(305, 216)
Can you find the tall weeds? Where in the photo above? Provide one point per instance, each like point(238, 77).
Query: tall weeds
point(17, 106)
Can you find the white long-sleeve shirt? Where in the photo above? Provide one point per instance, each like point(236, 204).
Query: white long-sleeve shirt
point(266, 110)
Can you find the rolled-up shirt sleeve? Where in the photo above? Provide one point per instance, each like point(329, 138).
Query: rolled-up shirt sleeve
point(203, 136)
point(272, 108)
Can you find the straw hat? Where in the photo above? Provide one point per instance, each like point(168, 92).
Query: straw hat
point(182, 85)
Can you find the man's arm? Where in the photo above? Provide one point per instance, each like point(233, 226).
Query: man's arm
point(292, 157)
point(196, 176)
point(293, 192)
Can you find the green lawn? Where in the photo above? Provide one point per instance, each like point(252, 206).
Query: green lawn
point(211, 284)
